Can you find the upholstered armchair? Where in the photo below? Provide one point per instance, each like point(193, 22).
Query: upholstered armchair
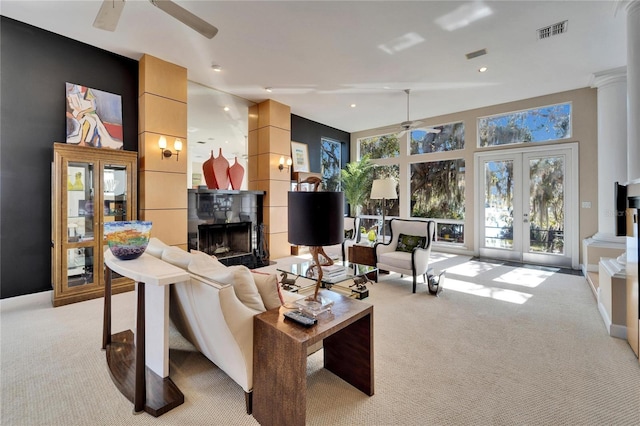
point(351, 234)
point(409, 248)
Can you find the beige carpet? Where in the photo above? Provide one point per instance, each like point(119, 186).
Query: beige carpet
point(501, 346)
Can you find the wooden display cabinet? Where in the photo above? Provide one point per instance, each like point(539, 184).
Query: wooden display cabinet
point(90, 186)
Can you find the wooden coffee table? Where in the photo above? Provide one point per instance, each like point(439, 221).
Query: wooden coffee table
point(280, 356)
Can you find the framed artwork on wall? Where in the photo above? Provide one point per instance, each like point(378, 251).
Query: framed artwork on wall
point(300, 157)
point(94, 117)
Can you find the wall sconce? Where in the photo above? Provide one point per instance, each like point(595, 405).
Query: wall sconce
point(282, 162)
point(177, 145)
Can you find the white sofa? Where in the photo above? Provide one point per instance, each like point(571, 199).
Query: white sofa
point(412, 259)
point(214, 310)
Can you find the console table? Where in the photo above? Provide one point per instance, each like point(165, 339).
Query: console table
point(140, 368)
point(280, 357)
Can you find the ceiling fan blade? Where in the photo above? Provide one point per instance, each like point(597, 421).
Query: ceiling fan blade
point(186, 17)
point(109, 15)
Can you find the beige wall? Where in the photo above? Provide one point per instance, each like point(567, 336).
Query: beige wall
point(163, 112)
point(584, 125)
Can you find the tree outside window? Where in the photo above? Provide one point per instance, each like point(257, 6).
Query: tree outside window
point(532, 125)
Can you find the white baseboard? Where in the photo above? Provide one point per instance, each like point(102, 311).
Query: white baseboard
point(615, 330)
point(619, 331)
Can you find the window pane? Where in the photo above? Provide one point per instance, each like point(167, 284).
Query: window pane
point(385, 146)
point(451, 137)
point(330, 162)
point(437, 189)
point(533, 125)
point(374, 207)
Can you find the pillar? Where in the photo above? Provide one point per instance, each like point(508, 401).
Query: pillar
point(612, 146)
point(162, 183)
point(632, 9)
point(269, 139)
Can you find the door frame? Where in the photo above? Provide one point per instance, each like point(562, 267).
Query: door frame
point(571, 183)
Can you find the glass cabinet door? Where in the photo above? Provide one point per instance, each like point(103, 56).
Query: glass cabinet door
point(80, 222)
point(115, 193)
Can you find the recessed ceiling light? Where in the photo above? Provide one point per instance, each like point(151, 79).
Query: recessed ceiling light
point(226, 108)
point(482, 69)
point(268, 89)
point(353, 105)
point(216, 68)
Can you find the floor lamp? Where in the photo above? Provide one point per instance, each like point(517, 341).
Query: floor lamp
point(316, 219)
point(384, 189)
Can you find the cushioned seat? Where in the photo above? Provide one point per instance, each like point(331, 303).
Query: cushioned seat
point(409, 248)
point(214, 310)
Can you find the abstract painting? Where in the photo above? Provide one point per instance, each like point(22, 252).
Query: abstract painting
point(94, 117)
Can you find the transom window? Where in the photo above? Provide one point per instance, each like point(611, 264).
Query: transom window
point(384, 146)
point(450, 138)
point(532, 125)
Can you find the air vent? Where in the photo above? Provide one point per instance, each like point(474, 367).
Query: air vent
point(553, 30)
point(201, 142)
point(476, 53)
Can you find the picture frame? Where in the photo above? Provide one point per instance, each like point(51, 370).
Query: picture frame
point(300, 157)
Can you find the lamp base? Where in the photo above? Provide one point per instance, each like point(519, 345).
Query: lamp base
point(312, 307)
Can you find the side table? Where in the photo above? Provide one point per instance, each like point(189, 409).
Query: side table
point(280, 357)
point(364, 255)
point(128, 360)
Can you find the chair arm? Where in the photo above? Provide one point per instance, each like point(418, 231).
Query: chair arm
point(420, 259)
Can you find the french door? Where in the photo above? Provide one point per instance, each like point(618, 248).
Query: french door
point(527, 205)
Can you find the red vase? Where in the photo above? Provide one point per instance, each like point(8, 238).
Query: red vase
point(236, 173)
point(221, 171)
point(209, 177)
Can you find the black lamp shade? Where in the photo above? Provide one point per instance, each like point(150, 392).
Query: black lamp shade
point(316, 218)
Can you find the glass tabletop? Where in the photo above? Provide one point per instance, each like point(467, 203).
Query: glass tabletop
point(338, 272)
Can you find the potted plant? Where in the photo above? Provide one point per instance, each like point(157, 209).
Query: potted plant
point(356, 183)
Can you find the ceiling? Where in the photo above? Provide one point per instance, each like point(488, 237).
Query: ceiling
point(322, 56)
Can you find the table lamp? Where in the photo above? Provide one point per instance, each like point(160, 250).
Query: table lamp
point(316, 219)
point(384, 189)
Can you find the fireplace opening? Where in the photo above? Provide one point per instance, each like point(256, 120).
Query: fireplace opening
point(225, 240)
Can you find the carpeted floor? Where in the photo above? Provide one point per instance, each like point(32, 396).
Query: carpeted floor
point(502, 345)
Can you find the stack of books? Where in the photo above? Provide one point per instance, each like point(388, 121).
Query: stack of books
point(332, 273)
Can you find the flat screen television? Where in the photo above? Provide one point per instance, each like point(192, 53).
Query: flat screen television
point(620, 194)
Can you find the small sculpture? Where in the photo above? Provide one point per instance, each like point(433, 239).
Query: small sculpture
point(287, 283)
point(360, 282)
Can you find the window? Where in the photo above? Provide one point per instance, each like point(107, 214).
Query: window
point(374, 207)
point(385, 146)
point(450, 138)
point(437, 192)
point(437, 189)
point(330, 161)
point(532, 125)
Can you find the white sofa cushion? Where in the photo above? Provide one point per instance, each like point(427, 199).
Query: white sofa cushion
point(269, 289)
point(241, 278)
point(201, 263)
point(155, 247)
point(177, 257)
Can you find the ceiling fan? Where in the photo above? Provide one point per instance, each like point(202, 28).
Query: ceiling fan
point(408, 125)
point(110, 10)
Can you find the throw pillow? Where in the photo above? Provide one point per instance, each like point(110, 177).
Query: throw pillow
point(348, 234)
point(269, 289)
point(409, 242)
point(155, 247)
point(240, 277)
point(176, 256)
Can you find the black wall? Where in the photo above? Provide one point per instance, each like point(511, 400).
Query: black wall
point(310, 133)
point(34, 67)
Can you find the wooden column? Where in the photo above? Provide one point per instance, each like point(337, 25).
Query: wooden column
point(269, 139)
point(163, 181)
